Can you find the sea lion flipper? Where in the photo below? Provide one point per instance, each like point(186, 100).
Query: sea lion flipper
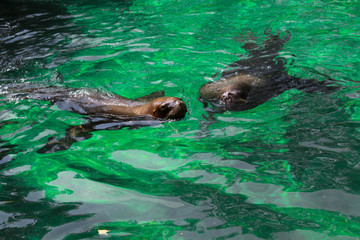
point(313, 86)
point(151, 96)
point(249, 46)
point(73, 134)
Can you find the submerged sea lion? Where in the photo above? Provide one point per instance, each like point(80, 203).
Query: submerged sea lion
point(259, 77)
point(104, 111)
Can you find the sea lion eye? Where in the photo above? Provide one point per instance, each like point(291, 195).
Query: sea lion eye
point(163, 107)
point(243, 94)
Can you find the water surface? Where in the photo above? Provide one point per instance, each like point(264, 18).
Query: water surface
point(287, 169)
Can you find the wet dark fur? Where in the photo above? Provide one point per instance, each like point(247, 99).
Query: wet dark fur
point(268, 74)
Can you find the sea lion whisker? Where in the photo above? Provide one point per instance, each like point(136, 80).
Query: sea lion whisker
point(173, 127)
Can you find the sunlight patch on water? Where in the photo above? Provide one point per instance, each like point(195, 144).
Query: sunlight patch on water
point(72, 187)
point(17, 170)
point(328, 199)
point(149, 161)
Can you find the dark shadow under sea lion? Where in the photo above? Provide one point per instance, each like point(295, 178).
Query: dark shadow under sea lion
point(104, 110)
point(254, 80)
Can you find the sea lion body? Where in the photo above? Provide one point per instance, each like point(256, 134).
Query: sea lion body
point(257, 78)
point(91, 102)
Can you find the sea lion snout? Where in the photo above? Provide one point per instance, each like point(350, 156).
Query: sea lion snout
point(169, 108)
point(233, 97)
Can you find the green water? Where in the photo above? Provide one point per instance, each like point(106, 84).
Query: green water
point(287, 169)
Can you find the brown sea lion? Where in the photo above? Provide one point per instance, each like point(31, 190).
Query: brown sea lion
point(257, 78)
point(91, 102)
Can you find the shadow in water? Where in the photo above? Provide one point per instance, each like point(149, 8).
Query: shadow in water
point(82, 132)
point(6, 149)
point(29, 31)
point(32, 31)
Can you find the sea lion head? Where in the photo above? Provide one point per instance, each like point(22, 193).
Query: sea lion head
point(233, 97)
point(235, 94)
point(168, 108)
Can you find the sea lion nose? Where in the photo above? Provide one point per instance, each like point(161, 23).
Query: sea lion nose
point(233, 97)
point(176, 103)
point(226, 97)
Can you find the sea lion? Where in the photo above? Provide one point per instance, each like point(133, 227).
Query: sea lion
point(252, 81)
point(91, 102)
point(104, 111)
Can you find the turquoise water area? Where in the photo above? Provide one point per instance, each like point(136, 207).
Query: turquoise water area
point(287, 169)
